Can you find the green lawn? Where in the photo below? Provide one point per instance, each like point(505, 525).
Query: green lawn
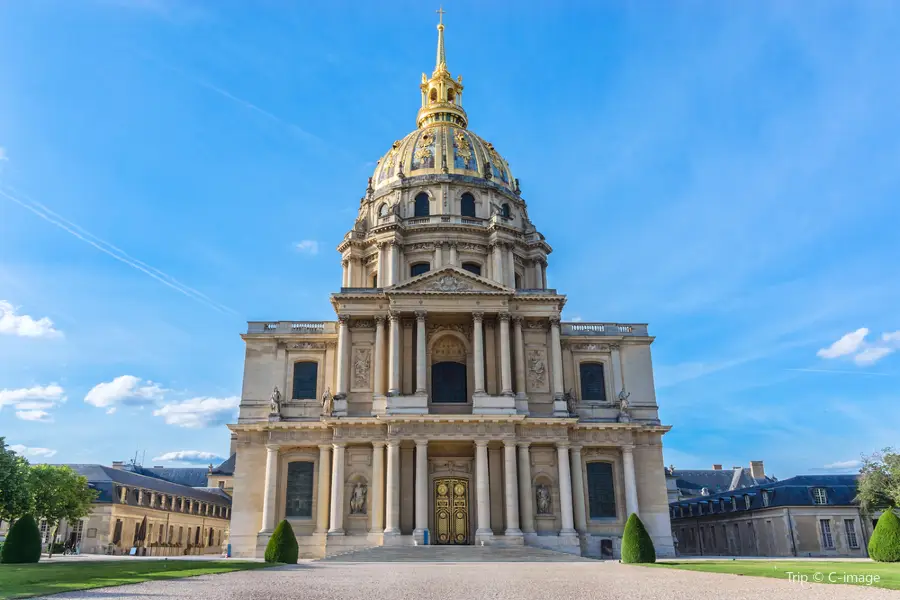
point(48, 577)
point(884, 575)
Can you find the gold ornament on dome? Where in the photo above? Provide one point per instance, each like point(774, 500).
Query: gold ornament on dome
point(463, 149)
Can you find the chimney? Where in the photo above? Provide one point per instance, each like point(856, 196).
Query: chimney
point(118, 464)
point(756, 469)
point(717, 467)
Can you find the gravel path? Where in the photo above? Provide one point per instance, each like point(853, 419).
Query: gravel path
point(494, 581)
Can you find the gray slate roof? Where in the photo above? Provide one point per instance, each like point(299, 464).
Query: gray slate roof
point(691, 482)
point(226, 468)
point(104, 479)
point(189, 476)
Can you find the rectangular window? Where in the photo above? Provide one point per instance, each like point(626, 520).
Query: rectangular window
point(299, 497)
point(827, 540)
point(747, 502)
point(820, 496)
point(593, 382)
point(850, 528)
point(305, 374)
point(765, 498)
point(733, 503)
point(601, 490)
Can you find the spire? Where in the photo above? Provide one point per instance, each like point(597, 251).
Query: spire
point(440, 64)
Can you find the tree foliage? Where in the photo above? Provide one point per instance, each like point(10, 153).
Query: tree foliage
point(15, 496)
point(637, 546)
point(879, 481)
point(23, 542)
point(884, 545)
point(282, 546)
point(60, 493)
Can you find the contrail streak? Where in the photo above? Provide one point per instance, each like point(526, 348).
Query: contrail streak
point(82, 234)
point(842, 372)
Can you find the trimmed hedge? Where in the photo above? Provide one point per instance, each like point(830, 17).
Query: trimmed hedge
point(884, 545)
point(282, 546)
point(637, 547)
point(23, 542)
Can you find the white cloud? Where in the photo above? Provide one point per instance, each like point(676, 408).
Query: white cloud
point(191, 456)
point(891, 337)
point(199, 412)
point(125, 389)
point(870, 356)
point(32, 404)
point(848, 344)
point(310, 247)
point(24, 325)
point(26, 451)
point(842, 465)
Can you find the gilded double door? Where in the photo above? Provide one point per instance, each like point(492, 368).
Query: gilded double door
point(451, 510)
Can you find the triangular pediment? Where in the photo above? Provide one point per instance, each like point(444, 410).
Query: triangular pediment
point(450, 280)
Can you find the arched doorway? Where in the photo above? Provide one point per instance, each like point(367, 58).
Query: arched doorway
point(448, 382)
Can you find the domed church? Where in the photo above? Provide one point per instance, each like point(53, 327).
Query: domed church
point(447, 403)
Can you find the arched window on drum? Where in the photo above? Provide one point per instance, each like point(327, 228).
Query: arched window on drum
point(467, 205)
point(422, 208)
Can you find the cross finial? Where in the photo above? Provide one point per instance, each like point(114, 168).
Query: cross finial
point(440, 11)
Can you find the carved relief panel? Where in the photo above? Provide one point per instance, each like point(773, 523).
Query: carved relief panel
point(361, 369)
point(537, 370)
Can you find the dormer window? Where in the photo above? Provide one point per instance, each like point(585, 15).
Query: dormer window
point(820, 496)
point(733, 503)
point(721, 504)
point(765, 498)
point(747, 502)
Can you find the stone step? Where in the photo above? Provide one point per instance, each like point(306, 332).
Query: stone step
point(454, 554)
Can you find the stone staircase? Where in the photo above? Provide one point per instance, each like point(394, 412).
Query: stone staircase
point(453, 554)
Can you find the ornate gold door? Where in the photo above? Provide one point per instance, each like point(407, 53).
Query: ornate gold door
point(451, 511)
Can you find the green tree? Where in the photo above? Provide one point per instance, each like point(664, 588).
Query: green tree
point(282, 546)
point(637, 546)
point(879, 481)
point(23, 542)
point(59, 493)
point(884, 545)
point(15, 496)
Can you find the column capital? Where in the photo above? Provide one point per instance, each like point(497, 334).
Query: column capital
point(273, 447)
point(393, 443)
point(339, 445)
point(614, 347)
point(518, 320)
point(510, 443)
point(561, 445)
point(576, 448)
point(379, 319)
point(420, 315)
point(345, 262)
point(554, 321)
point(627, 448)
point(453, 244)
point(344, 319)
point(478, 316)
point(523, 444)
point(394, 316)
point(324, 446)
point(504, 316)
point(421, 443)
point(481, 443)
point(378, 443)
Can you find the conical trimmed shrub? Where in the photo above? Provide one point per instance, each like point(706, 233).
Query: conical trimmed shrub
point(637, 547)
point(282, 546)
point(884, 545)
point(23, 542)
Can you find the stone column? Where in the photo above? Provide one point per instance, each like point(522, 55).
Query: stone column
point(324, 492)
point(519, 350)
point(505, 372)
point(271, 489)
point(378, 363)
point(438, 255)
point(510, 267)
point(394, 356)
point(343, 356)
point(497, 273)
point(556, 360)
point(478, 352)
point(543, 275)
point(392, 489)
point(337, 491)
point(565, 489)
point(421, 385)
point(578, 491)
point(377, 523)
point(421, 489)
point(483, 489)
point(454, 257)
point(537, 275)
point(631, 497)
point(344, 266)
point(351, 272)
point(395, 263)
point(526, 495)
point(381, 266)
point(512, 488)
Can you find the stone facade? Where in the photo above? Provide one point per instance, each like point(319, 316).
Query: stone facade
point(448, 401)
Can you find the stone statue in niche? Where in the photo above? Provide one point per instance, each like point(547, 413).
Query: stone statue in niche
point(570, 403)
point(358, 499)
point(327, 403)
point(275, 403)
point(542, 495)
point(624, 416)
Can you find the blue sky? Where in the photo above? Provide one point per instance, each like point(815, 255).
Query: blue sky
point(726, 172)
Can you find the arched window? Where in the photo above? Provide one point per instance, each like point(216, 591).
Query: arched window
point(450, 96)
point(518, 279)
point(305, 380)
point(374, 280)
point(467, 205)
point(473, 268)
point(505, 211)
point(433, 96)
point(593, 383)
point(383, 210)
point(299, 493)
point(419, 268)
point(422, 205)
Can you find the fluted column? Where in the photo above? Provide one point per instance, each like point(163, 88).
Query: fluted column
point(505, 372)
point(537, 275)
point(343, 353)
point(395, 263)
point(420, 352)
point(519, 351)
point(578, 491)
point(269, 492)
point(394, 356)
point(497, 251)
point(544, 274)
point(378, 363)
point(556, 360)
point(344, 266)
point(324, 491)
point(512, 489)
point(525, 492)
point(510, 267)
point(421, 487)
point(392, 489)
point(454, 257)
point(565, 489)
point(631, 497)
point(351, 272)
point(482, 488)
point(377, 523)
point(478, 351)
point(337, 491)
point(381, 266)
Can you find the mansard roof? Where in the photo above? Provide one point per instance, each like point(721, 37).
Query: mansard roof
point(105, 479)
